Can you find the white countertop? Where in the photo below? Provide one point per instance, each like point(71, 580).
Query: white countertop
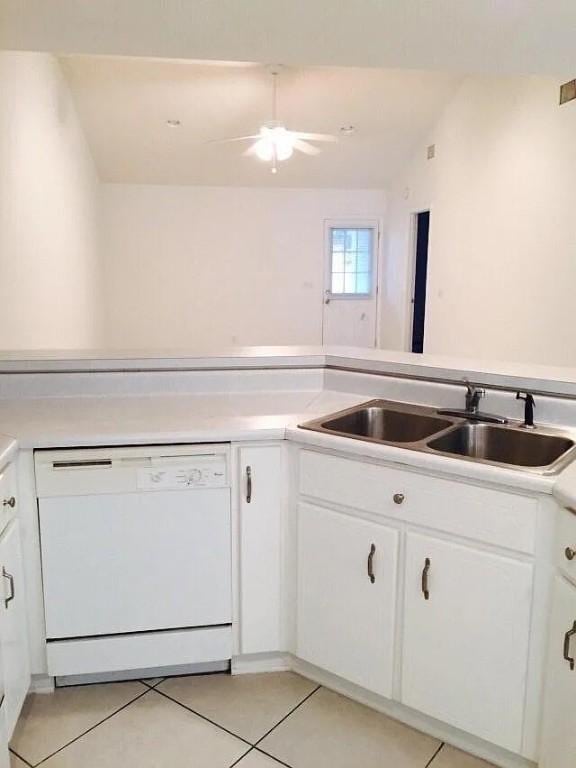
point(537, 378)
point(178, 418)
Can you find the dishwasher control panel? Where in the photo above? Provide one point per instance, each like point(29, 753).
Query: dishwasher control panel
point(131, 469)
point(169, 474)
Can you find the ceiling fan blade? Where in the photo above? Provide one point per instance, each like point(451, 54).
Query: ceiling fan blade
point(233, 138)
point(251, 151)
point(303, 146)
point(314, 136)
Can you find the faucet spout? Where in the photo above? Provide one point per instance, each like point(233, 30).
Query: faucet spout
point(473, 396)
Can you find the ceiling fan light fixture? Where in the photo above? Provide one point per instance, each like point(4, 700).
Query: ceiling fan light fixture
point(274, 142)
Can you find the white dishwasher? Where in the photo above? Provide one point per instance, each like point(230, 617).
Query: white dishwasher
point(136, 557)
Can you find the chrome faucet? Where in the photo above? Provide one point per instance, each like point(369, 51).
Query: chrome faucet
point(473, 396)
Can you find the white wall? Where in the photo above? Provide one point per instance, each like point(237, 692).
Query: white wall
point(502, 259)
point(204, 266)
point(49, 273)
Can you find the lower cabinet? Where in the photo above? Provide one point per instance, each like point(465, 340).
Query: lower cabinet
point(559, 733)
point(466, 637)
point(261, 492)
point(13, 629)
point(347, 573)
point(4, 754)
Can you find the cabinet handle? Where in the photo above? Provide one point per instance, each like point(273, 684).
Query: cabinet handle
point(371, 563)
point(567, 637)
point(11, 502)
point(10, 578)
point(398, 498)
point(248, 485)
point(425, 570)
point(570, 553)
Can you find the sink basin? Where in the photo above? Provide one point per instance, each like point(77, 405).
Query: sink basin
point(421, 428)
point(379, 423)
point(503, 445)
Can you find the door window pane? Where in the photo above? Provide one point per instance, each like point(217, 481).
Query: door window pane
point(337, 283)
point(351, 251)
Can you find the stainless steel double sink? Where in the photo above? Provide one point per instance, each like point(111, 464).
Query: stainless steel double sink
point(420, 428)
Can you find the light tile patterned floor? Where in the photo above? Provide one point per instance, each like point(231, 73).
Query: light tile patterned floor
point(218, 721)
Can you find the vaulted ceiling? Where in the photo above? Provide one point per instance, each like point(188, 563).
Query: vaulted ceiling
point(491, 36)
point(125, 103)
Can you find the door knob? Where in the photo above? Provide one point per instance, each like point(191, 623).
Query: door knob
point(11, 502)
point(570, 553)
point(398, 498)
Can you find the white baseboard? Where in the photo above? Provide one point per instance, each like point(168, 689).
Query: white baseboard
point(41, 684)
point(260, 662)
point(456, 738)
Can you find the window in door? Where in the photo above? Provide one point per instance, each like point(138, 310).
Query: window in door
point(351, 262)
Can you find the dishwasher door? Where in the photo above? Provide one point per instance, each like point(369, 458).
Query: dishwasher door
point(134, 562)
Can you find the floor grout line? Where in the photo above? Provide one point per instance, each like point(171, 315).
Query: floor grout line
point(276, 759)
point(108, 717)
point(20, 757)
point(435, 755)
point(241, 757)
point(288, 715)
point(199, 714)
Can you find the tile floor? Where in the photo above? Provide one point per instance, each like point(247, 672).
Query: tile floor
point(218, 721)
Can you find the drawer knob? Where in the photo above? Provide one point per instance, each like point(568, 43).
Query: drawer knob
point(11, 502)
point(570, 553)
point(398, 498)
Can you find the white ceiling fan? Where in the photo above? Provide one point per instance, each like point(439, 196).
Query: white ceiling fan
point(275, 142)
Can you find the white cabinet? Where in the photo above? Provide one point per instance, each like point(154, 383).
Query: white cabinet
point(466, 637)
point(559, 733)
point(347, 571)
point(261, 498)
point(4, 754)
point(13, 630)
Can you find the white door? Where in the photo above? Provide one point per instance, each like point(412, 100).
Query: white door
point(351, 284)
point(134, 562)
point(260, 552)
point(465, 649)
point(13, 628)
point(347, 596)
point(559, 735)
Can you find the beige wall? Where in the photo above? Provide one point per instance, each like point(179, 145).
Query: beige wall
point(49, 272)
point(502, 193)
point(202, 266)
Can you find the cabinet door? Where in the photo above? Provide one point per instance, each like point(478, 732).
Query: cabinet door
point(4, 754)
point(347, 573)
point(13, 632)
point(261, 496)
point(465, 650)
point(559, 735)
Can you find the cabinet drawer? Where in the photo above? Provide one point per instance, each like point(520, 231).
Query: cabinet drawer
point(484, 514)
point(8, 495)
point(566, 543)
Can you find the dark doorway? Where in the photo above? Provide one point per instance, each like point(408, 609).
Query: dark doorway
point(420, 272)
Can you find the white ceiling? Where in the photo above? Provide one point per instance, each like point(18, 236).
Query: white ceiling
point(124, 104)
point(493, 36)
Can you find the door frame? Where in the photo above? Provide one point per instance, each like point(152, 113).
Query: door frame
point(411, 278)
point(353, 223)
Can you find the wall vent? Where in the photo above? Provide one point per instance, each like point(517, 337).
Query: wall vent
point(568, 92)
